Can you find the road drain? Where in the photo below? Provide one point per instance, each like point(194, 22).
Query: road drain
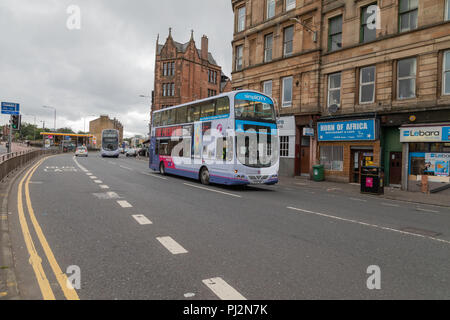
point(421, 232)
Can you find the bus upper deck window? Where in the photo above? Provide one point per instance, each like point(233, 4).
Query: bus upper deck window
point(171, 117)
point(222, 106)
point(164, 116)
point(208, 109)
point(181, 115)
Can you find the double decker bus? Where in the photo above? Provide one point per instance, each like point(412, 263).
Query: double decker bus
point(110, 143)
point(227, 139)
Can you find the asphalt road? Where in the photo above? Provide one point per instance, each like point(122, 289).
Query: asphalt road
point(268, 242)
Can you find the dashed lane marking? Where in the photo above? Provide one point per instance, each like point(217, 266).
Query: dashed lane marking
point(390, 204)
point(93, 177)
point(103, 186)
point(124, 204)
point(154, 175)
point(89, 174)
point(427, 210)
point(369, 225)
point(141, 219)
point(98, 181)
point(127, 168)
point(171, 245)
point(222, 289)
point(357, 199)
point(212, 190)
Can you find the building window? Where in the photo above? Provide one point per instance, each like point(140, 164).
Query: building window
point(406, 83)
point(284, 146)
point(332, 157)
point(335, 33)
point(239, 54)
point(172, 68)
point(408, 14)
point(447, 10)
point(288, 41)
point(334, 89)
point(172, 89)
point(368, 31)
point(267, 88)
point(212, 76)
point(212, 93)
point(287, 92)
point(164, 69)
point(241, 19)
point(268, 43)
point(290, 4)
point(270, 13)
point(446, 82)
point(367, 85)
point(164, 90)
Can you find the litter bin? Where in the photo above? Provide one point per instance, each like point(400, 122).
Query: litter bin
point(318, 172)
point(372, 180)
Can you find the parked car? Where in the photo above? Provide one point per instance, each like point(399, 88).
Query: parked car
point(131, 152)
point(81, 152)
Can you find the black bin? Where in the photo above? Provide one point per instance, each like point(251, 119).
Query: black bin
point(372, 180)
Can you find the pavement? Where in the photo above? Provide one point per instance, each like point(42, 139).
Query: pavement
point(135, 234)
point(392, 193)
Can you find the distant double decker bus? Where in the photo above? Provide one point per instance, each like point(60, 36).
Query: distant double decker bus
point(110, 143)
point(228, 139)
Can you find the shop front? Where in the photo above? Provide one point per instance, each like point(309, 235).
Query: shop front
point(287, 134)
point(346, 146)
point(428, 154)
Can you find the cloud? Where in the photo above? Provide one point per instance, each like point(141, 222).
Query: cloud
point(105, 66)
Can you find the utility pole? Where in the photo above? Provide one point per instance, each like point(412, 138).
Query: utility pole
point(10, 134)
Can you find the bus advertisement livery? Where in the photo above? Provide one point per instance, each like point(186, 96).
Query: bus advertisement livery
point(110, 143)
point(228, 139)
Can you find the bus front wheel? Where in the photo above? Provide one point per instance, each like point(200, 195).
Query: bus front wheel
point(162, 169)
point(204, 176)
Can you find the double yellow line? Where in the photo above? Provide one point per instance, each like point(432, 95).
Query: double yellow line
point(35, 259)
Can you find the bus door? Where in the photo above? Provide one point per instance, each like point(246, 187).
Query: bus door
point(151, 150)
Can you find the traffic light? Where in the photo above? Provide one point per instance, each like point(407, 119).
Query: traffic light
point(15, 122)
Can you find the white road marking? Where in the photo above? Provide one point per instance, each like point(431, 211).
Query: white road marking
point(93, 177)
point(154, 175)
point(88, 173)
point(427, 210)
point(301, 184)
point(189, 295)
point(124, 204)
point(357, 199)
point(98, 181)
point(390, 204)
point(141, 219)
point(171, 245)
point(111, 162)
point(369, 225)
point(212, 190)
point(79, 165)
point(222, 289)
point(104, 186)
point(123, 167)
point(107, 195)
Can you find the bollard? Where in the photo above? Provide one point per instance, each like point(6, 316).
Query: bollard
point(424, 183)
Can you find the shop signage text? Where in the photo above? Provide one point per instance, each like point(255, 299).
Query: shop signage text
point(425, 134)
point(347, 130)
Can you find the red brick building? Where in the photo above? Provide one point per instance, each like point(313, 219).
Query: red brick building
point(184, 73)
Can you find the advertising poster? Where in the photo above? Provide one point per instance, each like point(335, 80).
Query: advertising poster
point(437, 163)
point(197, 140)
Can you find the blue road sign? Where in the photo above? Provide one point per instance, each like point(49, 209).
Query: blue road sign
point(10, 108)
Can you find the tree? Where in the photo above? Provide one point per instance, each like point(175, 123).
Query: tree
point(65, 130)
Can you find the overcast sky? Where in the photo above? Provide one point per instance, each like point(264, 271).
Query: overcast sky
point(103, 67)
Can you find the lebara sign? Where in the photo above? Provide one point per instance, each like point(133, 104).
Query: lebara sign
point(425, 134)
point(354, 130)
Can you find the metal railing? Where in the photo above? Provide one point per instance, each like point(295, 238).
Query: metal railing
point(11, 161)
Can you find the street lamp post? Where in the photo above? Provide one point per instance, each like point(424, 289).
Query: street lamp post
point(84, 118)
point(150, 121)
point(54, 123)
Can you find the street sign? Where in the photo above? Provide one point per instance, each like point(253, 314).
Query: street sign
point(10, 108)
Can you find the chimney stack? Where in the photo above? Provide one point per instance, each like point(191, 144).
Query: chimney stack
point(204, 47)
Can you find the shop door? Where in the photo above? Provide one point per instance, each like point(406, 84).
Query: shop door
point(360, 158)
point(304, 155)
point(395, 168)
